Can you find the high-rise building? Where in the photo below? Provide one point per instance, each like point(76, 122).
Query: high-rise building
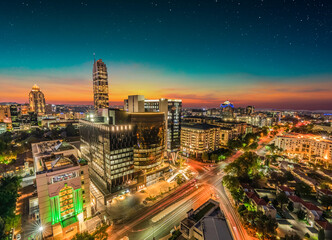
point(150, 146)
point(227, 110)
point(14, 113)
point(197, 139)
point(250, 110)
point(37, 100)
point(107, 142)
point(172, 109)
point(63, 188)
point(100, 85)
point(124, 151)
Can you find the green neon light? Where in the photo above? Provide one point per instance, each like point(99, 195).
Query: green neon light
point(55, 209)
point(78, 201)
point(55, 206)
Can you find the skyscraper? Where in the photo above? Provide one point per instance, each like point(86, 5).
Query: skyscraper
point(100, 85)
point(172, 108)
point(227, 110)
point(37, 100)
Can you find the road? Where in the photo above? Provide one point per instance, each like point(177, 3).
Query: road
point(169, 212)
point(188, 196)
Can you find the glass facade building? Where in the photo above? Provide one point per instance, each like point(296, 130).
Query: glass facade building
point(108, 147)
point(172, 109)
point(150, 146)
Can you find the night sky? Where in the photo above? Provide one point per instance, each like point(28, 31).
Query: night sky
point(267, 53)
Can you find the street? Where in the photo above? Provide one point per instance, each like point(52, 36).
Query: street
point(158, 220)
point(191, 195)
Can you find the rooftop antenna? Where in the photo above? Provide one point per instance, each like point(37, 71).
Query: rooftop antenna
point(94, 57)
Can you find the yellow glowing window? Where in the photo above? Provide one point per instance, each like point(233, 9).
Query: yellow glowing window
point(66, 201)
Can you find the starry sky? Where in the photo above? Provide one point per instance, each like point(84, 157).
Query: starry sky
point(267, 53)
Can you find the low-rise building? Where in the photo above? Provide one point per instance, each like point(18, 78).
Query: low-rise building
point(206, 223)
point(63, 188)
point(297, 202)
point(306, 146)
point(324, 225)
point(261, 205)
point(323, 192)
point(313, 212)
point(288, 191)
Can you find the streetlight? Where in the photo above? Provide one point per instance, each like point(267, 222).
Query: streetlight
point(40, 229)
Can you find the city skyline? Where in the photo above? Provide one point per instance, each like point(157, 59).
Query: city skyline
point(205, 52)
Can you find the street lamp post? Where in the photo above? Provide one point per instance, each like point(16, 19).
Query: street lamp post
point(40, 229)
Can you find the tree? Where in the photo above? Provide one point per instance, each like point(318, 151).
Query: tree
point(266, 199)
point(326, 201)
point(101, 233)
point(83, 236)
point(244, 167)
point(302, 189)
point(292, 237)
point(237, 195)
point(253, 145)
point(71, 131)
point(321, 234)
point(231, 182)
point(234, 144)
point(214, 157)
point(300, 214)
point(289, 176)
point(205, 156)
point(290, 206)
point(179, 179)
point(8, 197)
point(282, 199)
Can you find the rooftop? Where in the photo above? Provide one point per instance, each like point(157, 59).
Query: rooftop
point(295, 199)
point(311, 207)
point(202, 211)
point(203, 126)
point(52, 155)
point(324, 224)
point(286, 189)
point(325, 191)
point(216, 228)
point(317, 138)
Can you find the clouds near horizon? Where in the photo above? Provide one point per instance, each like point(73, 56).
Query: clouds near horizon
point(73, 85)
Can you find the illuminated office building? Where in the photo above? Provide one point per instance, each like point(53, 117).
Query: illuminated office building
point(124, 150)
point(150, 146)
point(107, 142)
point(172, 109)
point(197, 139)
point(227, 110)
point(63, 188)
point(37, 100)
point(100, 85)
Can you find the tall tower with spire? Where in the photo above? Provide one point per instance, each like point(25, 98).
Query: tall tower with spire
point(100, 84)
point(37, 100)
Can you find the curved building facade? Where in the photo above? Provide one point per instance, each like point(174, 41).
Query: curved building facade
point(150, 133)
point(37, 100)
